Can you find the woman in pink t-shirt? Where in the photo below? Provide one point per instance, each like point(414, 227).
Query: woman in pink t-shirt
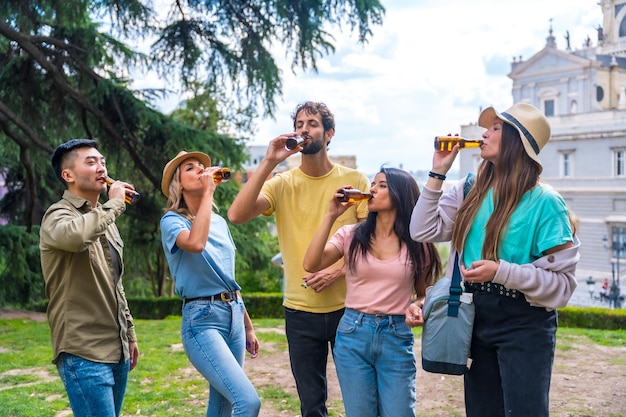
point(373, 349)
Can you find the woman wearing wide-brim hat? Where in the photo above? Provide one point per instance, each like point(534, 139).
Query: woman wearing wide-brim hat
point(518, 256)
point(216, 328)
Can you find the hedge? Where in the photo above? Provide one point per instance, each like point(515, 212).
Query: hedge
point(269, 305)
point(266, 305)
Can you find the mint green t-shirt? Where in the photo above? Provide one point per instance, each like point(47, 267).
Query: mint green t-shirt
point(539, 222)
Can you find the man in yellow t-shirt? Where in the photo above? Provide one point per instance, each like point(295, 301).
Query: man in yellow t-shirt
point(299, 199)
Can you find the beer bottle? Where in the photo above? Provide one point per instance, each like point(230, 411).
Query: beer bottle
point(351, 195)
point(293, 143)
point(131, 196)
point(223, 174)
point(446, 143)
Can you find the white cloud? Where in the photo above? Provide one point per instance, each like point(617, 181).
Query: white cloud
point(426, 71)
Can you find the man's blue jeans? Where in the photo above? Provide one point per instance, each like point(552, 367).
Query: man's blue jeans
point(375, 365)
point(214, 339)
point(512, 354)
point(309, 336)
point(94, 389)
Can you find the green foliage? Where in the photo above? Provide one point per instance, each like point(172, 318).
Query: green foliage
point(154, 308)
point(64, 68)
point(20, 267)
point(593, 318)
point(267, 305)
point(264, 305)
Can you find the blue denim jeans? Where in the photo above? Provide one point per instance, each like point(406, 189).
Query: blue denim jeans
point(308, 336)
point(94, 389)
point(214, 338)
point(512, 354)
point(375, 365)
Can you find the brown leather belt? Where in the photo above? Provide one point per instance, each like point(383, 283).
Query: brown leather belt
point(226, 296)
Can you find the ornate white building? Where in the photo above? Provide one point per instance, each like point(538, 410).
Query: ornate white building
point(583, 93)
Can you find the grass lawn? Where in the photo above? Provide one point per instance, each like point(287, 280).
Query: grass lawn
point(164, 383)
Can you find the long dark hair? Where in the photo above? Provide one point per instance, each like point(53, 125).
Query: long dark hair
point(422, 257)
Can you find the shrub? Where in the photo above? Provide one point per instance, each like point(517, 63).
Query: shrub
point(592, 318)
point(265, 305)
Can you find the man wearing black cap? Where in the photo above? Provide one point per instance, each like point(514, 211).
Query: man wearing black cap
point(93, 335)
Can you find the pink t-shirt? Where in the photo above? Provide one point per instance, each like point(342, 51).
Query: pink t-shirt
point(376, 286)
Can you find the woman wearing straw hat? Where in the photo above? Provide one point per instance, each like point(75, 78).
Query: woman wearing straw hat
point(216, 328)
point(518, 257)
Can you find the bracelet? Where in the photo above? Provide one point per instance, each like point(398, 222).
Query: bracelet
point(437, 176)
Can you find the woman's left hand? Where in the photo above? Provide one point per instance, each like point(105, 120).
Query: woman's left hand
point(480, 271)
point(252, 343)
point(414, 315)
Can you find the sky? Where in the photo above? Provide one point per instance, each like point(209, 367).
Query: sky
point(426, 71)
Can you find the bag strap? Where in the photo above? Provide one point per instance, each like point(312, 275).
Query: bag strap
point(454, 301)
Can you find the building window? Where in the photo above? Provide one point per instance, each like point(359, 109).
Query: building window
point(573, 108)
point(619, 163)
point(549, 97)
point(548, 108)
point(567, 164)
point(618, 242)
point(599, 93)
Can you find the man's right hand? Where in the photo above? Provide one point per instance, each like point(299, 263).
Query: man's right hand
point(117, 190)
point(276, 151)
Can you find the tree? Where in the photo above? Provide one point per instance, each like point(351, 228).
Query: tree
point(64, 69)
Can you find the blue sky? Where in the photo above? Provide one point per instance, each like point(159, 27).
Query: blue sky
point(426, 71)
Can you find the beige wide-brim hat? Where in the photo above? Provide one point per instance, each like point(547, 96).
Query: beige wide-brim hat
point(529, 121)
point(170, 167)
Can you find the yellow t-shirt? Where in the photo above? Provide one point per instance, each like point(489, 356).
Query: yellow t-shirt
point(300, 203)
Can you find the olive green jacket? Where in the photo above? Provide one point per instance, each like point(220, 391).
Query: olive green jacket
point(81, 260)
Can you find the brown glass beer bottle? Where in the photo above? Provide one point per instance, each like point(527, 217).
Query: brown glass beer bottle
point(351, 195)
point(131, 196)
point(293, 143)
point(446, 143)
point(223, 174)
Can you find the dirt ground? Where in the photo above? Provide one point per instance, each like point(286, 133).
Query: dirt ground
point(588, 380)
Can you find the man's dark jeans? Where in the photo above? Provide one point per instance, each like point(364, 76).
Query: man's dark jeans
point(309, 336)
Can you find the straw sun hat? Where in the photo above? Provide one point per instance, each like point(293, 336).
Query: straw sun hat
point(170, 167)
point(529, 121)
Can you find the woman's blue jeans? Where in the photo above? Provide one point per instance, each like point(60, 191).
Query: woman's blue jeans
point(375, 365)
point(512, 354)
point(214, 338)
point(94, 389)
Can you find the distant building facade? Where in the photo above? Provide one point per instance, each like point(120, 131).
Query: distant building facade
point(583, 94)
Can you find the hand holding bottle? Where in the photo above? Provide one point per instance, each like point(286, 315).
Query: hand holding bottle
point(130, 195)
point(221, 175)
point(341, 201)
point(447, 143)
